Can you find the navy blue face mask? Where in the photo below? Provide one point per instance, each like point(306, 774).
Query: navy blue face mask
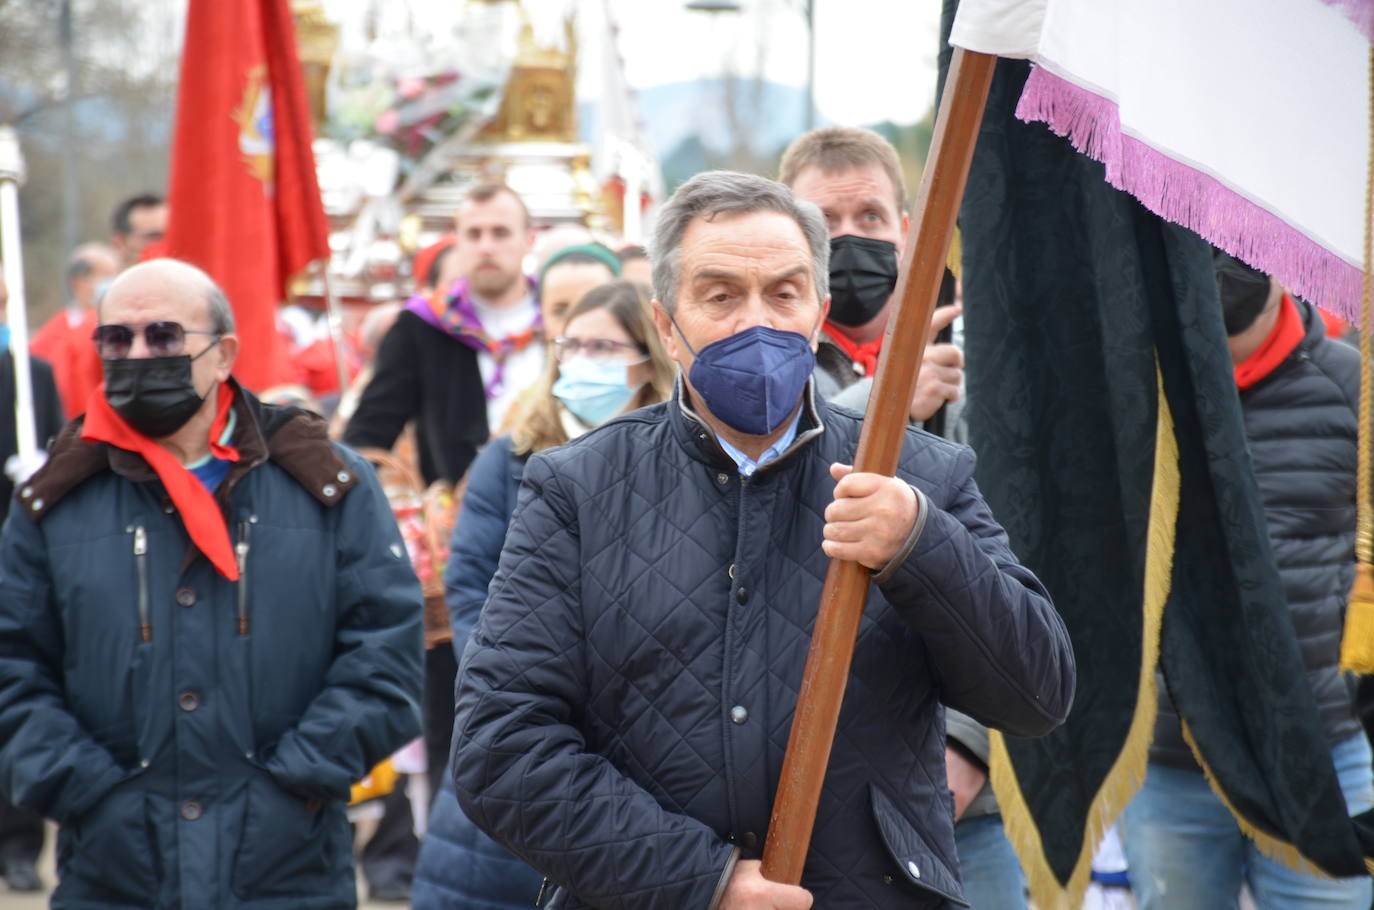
point(753, 379)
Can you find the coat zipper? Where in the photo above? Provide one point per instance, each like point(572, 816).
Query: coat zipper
point(241, 552)
point(145, 628)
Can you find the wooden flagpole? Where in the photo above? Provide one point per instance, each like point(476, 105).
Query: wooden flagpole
point(846, 583)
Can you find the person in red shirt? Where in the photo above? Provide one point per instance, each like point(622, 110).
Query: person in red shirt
point(65, 340)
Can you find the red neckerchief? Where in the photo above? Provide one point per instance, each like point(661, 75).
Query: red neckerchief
point(1287, 334)
point(865, 355)
point(200, 514)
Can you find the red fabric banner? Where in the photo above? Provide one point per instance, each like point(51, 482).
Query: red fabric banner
point(244, 199)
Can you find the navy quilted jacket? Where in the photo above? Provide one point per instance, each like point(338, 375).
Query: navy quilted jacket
point(625, 699)
point(196, 737)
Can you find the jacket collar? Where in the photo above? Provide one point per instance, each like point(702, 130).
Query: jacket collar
point(700, 440)
point(292, 438)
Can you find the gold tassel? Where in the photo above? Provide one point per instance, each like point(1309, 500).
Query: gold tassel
point(1357, 644)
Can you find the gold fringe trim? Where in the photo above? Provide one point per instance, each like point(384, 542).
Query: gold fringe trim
point(1128, 771)
point(1270, 846)
point(1357, 641)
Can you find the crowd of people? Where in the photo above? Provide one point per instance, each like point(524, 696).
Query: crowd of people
point(212, 625)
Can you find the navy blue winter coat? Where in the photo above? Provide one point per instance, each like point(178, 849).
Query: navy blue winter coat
point(625, 699)
point(460, 867)
point(196, 737)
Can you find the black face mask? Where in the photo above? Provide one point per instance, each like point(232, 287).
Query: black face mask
point(154, 395)
point(863, 273)
point(1244, 292)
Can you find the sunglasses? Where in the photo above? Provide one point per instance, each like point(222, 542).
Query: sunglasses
point(164, 339)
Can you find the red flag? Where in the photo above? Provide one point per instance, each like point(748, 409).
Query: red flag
point(245, 201)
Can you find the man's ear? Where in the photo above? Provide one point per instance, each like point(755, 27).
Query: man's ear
point(228, 353)
point(664, 323)
point(825, 311)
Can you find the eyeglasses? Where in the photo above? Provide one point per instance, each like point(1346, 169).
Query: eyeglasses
point(164, 339)
point(593, 349)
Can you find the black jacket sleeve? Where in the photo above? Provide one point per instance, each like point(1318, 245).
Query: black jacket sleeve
point(998, 645)
point(393, 395)
point(521, 767)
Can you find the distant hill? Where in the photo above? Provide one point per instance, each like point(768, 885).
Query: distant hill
point(692, 127)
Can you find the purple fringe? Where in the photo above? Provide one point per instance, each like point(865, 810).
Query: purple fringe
point(1360, 12)
point(1189, 197)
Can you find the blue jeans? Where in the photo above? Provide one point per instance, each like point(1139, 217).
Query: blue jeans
point(1185, 850)
point(991, 872)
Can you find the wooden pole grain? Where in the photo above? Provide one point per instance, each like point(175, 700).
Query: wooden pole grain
point(846, 583)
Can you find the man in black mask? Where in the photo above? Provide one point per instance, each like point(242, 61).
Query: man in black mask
point(209, 627)
point(856, 179)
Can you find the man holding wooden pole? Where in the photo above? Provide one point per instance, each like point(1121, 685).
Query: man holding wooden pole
point(626, 698)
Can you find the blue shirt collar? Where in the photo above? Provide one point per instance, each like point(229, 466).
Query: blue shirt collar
point(747, 466)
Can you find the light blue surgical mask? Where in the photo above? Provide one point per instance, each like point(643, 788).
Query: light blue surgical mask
point(4, 336)
point(594, 390)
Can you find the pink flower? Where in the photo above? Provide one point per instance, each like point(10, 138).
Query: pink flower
point(411, 87)
point(386, 122)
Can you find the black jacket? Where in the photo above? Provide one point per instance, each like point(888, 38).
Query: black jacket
point(424, 374)
point(625, 699)
point(1300, 425)
point(47, 415)
point(196, 737)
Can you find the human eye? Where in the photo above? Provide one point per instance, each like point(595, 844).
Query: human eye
point(873, 217)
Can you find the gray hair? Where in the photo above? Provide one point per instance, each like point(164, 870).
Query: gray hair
point(221, 313)
point(729, 193)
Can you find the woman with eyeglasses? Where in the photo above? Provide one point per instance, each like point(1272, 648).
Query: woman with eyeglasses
point(607, 361)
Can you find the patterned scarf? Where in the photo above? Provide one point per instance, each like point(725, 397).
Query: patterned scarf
point(456, 314)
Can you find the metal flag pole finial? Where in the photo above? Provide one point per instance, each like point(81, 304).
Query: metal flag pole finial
point(12, 174)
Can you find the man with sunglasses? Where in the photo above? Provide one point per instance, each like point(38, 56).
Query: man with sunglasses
point(210, 628)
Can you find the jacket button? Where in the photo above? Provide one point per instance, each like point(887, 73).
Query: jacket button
point(731, 571)
point(887, 879)
point(739, 714)
point(190, 810)
point(188, 701)
point(750, 840)
point(186, 597)
point(329, 489)
point(722, 478)
point(914, 869)
point(741, 595)
point(343, 477)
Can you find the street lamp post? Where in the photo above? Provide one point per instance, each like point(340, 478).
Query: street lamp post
point(809, 117)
